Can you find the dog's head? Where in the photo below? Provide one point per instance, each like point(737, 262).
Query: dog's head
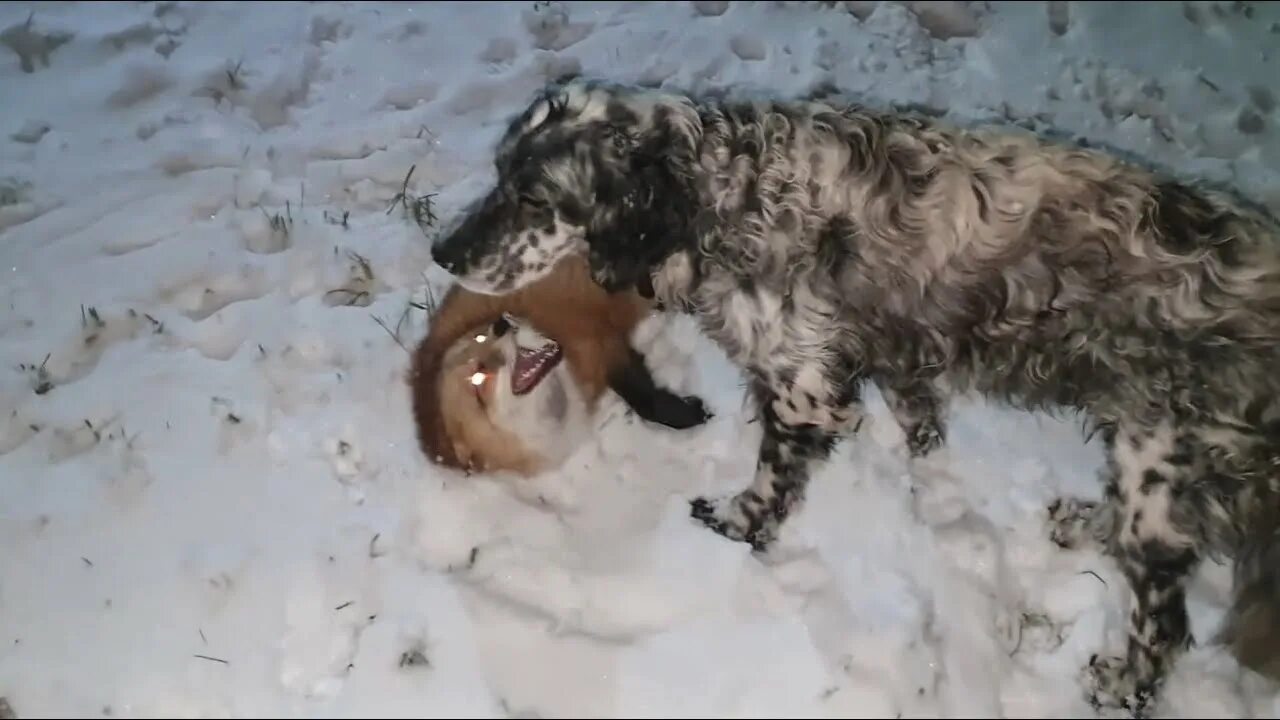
point(588, 166)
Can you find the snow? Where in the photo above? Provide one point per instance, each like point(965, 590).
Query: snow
point(211, 498)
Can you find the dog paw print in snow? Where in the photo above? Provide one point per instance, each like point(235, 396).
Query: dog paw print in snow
point(31, 132)
point(415, 656)
point(130, 476)
point(710, 8)
point(320, 643)
point(235, 427)
point(349, 465)
point(551, 28)
point(1022, 631)
point(15, 430)
point(77, 439)
point(938, 495)
point(748, 47)
point(31, 45)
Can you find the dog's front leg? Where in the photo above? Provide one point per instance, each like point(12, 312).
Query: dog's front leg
point(799, 433)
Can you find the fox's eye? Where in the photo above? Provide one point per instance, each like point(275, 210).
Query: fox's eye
point(477, 380)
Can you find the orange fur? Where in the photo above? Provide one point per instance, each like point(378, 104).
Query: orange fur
point(592, 327)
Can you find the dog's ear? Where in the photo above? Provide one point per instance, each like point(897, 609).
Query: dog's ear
point(548, 106)
point(561, 98)
point(644, 286)
point(643, 207)
point(639, 227)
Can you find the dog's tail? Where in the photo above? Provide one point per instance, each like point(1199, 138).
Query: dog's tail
point(1252, 627)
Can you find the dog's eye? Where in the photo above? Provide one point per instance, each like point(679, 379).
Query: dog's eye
point(535, 203)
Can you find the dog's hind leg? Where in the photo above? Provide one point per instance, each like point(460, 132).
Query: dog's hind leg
point(1147, 476)
point(799, 432)
point(918, 409)
point(1252, 627)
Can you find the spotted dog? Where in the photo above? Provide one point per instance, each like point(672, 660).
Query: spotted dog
point(826, 245)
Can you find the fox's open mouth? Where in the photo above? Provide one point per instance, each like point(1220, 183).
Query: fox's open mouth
point(533, 364)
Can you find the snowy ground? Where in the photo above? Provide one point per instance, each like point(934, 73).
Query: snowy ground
point(211, 501)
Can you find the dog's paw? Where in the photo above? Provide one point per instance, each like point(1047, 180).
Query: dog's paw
point(924, 438)
point(1110, 683)
point(1069, 522)
point(734, 519)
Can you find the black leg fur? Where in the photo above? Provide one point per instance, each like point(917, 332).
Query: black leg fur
point(1147, 479)
point(796, 437)
point(636, 386)
point(918, 409)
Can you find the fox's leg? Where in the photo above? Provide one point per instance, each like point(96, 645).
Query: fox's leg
point(636, 386)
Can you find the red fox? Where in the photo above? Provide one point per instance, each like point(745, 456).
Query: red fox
point(513, 382)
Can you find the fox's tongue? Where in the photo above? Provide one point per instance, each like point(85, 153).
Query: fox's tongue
point(533, 365)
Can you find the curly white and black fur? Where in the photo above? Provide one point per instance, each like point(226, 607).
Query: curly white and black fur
point(825, 246)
